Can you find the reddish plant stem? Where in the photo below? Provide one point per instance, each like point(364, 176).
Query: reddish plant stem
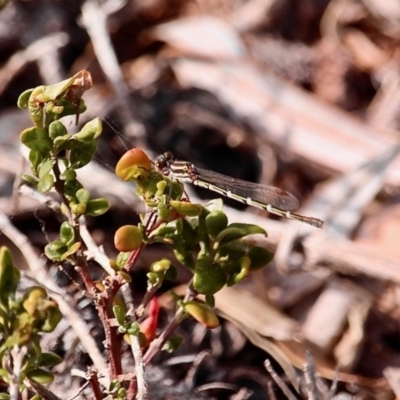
point(94, 383)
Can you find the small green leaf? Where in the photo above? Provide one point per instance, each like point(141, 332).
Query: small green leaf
point(186, 208)
point(184, 257)
point(210, 300)
point(82, 155)
point(122, 258)
point(208, 278)
point(164, 211)
point(237, 231)
point(91, 131)
point(67, 233)
point(35, 159)
point(119, 313)
point(3, 372)
point(249, 228)
point(35, 106)
point(233, 250)
point(68, 175)
point(23, 99)
point(40, 376)
point(229, 235)
point(125, 276)
point(72, 250)
point(202, 313)
point(260, 257)
point(161, 265)
point(9, 276)
point(154, 279)
point(173, 343)
point(216, 222)
point(244, 265)
point(57, 129)
point(78, 209)
point(55, 250)
point(45, 183)
point(49, 359)
point(133, 328)
point(187, 234)
point(121, 329)
point(53, 318)
point(30, 179)
point(36, 139)
point(97, 207)
point(83, 196)
point(71, 187)
point(62, 142)
point(45, 167)
point(51, 92)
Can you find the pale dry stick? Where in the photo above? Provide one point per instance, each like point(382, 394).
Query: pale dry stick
point(191, 374)
point(17, 355)
point(278, 380)
point(94, 20)
point(50, 66)
point(33, 52)
point(334, 386)
point(383, 111)
point(38, 273)
point(310, 377)
point(225, 386)
point(142, 386)
point(242, 394)
point(45, 200)
point(93, 251)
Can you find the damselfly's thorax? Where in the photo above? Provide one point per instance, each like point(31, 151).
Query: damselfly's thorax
point(181, 170)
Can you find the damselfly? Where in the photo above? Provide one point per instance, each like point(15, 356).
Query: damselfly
point(274, 200)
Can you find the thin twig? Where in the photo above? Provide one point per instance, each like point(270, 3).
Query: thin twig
point(142, 388)
point(278, 380)
point(39, 274)
point(15, 359)
point(93, 251)
point(33, 52)
point(94, 20)
point(309, 375)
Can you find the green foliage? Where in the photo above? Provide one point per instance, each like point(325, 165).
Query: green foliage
point(54, 153)
point(22, 321)
point(173, 343)
point(200, 238)
point(125, 326)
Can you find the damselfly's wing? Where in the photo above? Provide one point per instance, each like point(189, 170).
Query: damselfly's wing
point(259, 193)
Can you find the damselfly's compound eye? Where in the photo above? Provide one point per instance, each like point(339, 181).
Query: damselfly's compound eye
point(163, 162)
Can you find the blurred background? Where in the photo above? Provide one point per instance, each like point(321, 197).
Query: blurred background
point(302, 95)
